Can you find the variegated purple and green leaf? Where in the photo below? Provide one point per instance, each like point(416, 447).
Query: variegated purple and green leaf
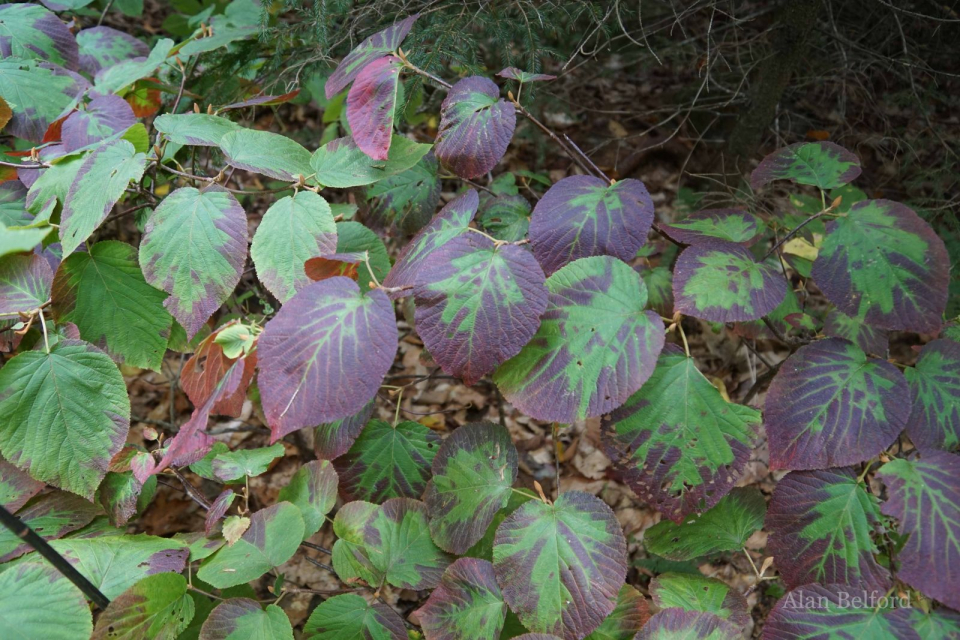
point(935, 387)
point(115, 78)
point(821, 526)
point(274, 535)
point(293, 230)
point(939, 624)
point(271, 154)
point(561, 565)
point(505, 217)
point(468, 604)
point(341, 163)
point(333, 439)
point(245, 619)
point(194, 248)
point(262, 101)
point(374, 47)
point(596, 344)
point(122, 495)
point(732, 225)
point(478, 304)
point(825, 165)
point(313, 490)
point(218, 510)
point(350, 616)
point(449, 223)
point(721, 281)
point(356, 242)
point(583, 216)
point(837, 612)
point(388, 461)
point(157, 606)
point(52, 516)
point(245, 463)
point(512, 73)
point(102, 118)
point(198, 129)
point(328, 326)
point(38, 94)
point(67, 414)
point(371, 103)
point(883, 263)
point(725, 527)
point(699, 593)
point(39, 602)
point(626, 619)
point(351, 559)
point(29, 31)
point(408, 199)
point(476, 126)
point(16, 487)
point(680, 624)
point(677, 442)
point(659, 281)
point(102, 47)
point(99, 183)
point(13, 204)
point(473, 475)
point(25, 282)
point(871, 339)
point(924, 496)
point(831, 406)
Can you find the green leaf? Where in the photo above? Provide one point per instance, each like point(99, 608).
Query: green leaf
point(30, 31)
point(236, 340)
point(122, 496)
point(595, 346)
point(407, 199)
point(18, 239)
point(467, 604)
point(199, 129)
point(340, 163)
point(52, 516)
point(52, 186)
point(99, 183)
point(353, 237)
point(248, 463)
point(274, 536)
point(822, 164)
point(37, 601)
point(725, 527)
point(699, 593)
point(941, 624)
point(204, 466)
point(245, 619)
point(103, 292)
point(313, 490)
point(37, 95)
point(561, 565)
point(388, 462)
point(24, 283)
point(66, 414)
point(349, 616)
point(293, 230)
point(505, 217)
point(626, 619)
point(16, 487)
point(114, 78)
point(271, 154)
point(677, 442)
point(156, 607)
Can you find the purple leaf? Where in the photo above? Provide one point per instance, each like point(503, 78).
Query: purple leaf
point(333, 439)
point(467, 604)
point(104, 117)
point(329, 326)
point(733, 225)
point(218, 510)
point(823, 164)
point(369, 50)
point(935, 386)
point(30, 31)
point(871, 339)
point(583, 216)
point(16, 486)
point(475, 127)
point(370, 106)
point(512, 73)
point(25, 282)
point(104, 47)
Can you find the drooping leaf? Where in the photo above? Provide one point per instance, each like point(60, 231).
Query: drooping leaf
point(25, 282)
point(822, 164)
point(122, 495)
point(66, 414)
point(102, 47)
point(388, 461)
point(30, 31)
point(677, 442)
point(883, 263)
point(934, 381)
point(721, 281)
point(38, 93)
point(350, 616)
point(679, 624)
point(37, 601)
point(371, 103)
point(871, 339)
point(113, 78)
point(626, 619)
point(821, 525)
point(725, 527)
point(732, 225)
point(293, 230)
point(194, 247)
point(830, 406)
point(478, 304)
point(473, 473)
point(341, 163)
point(217, 510)
point(561, 566)
point(103, 118)
point(262, 101)
point(407, 199)
point(273, 537)
point(103, 292)
point(156, 607)
point(51, 516)
point(699, 593)
point(249, 463)
point(595, 346)
point(356, 241)
point(313, 490)
point(99, 183)
point(924, 496)
point(206, 368)
point(271, 154)
point(328, 326)
point(505, 217)
point(513, 73)
point(333, 439)
point(199, 129)
point(582, 216)
point(467, 604)
point(836, 612)
point(245, 619)
point(449, 223)
point(366, 52)
point(476, 126)
point(16, 487)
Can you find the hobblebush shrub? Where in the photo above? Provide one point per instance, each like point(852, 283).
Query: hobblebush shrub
point(544, 301)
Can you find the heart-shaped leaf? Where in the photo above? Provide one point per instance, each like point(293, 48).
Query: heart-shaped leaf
point(366, 52)
point(333, 439)
point(271, 154)
point(822, 164)
point(583, 216)
point(467, 604)
point(313, 490)
point(732, 225)
point(476, 126)
point(158, 606)
point(371, 103)
point(245, 619)
point(626, 619)
point(350, 616)
point(39, 602)
point(699, 593)
point(104, 47)
point(831, 406)
point(561, 565)
point(935, 386)
point(595, 346)
point(677, 442)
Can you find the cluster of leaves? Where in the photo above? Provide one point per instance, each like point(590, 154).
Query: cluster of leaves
point(544, 300)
